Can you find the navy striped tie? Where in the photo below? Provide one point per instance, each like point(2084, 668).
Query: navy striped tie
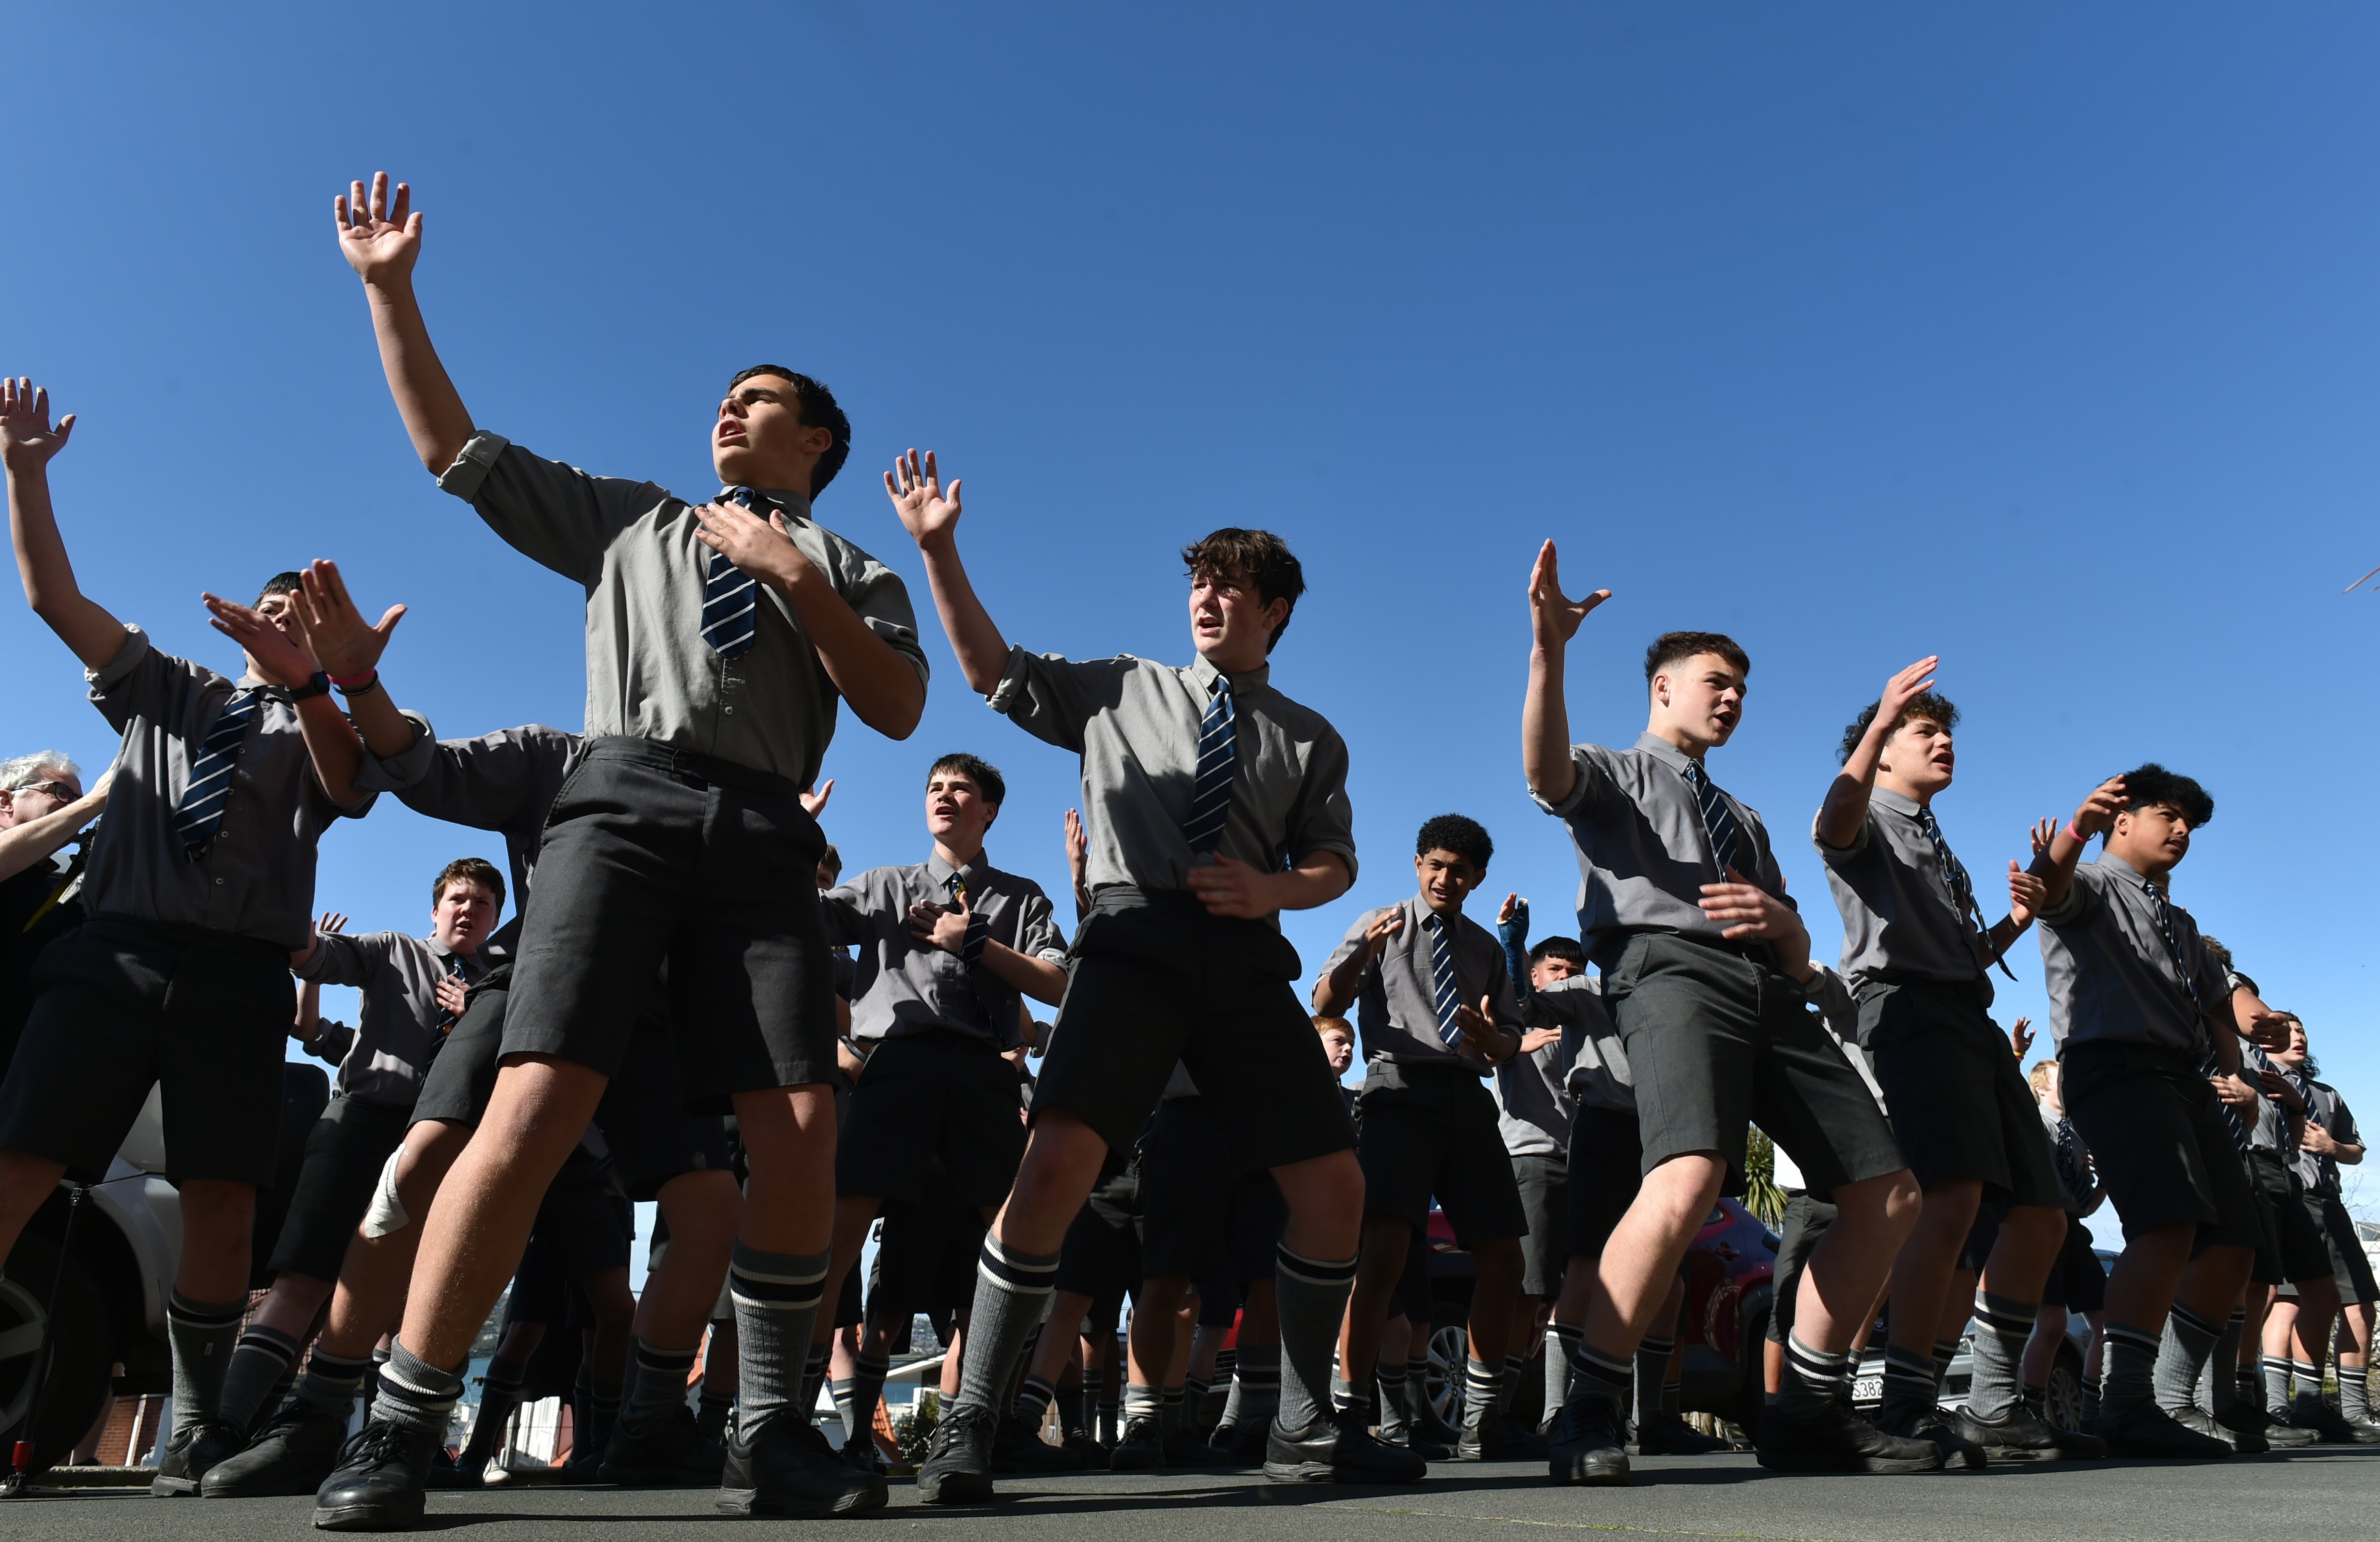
point(202, 801)
point(1719, 820)
point(1441, 976)
point(730, 597)
point(1210, 794)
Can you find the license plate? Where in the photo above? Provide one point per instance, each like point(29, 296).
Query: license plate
point(1868, 1389)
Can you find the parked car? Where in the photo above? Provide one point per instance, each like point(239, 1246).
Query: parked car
point(2065, 1373)
point(1729, 1269)
point(111, 1280)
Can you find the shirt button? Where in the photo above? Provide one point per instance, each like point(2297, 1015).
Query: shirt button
point(218, 883)
point(731, 711)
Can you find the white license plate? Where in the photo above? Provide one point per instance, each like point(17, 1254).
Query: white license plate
point(1868, 1389)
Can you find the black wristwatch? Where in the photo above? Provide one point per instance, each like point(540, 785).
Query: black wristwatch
point(318, 686)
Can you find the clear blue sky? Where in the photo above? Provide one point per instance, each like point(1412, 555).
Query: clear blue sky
point(2035, 339)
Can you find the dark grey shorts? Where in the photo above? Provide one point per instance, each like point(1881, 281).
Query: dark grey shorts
point(344, 1153)
point(645, 1119)
point(1185, 1190)
point(462, 1073)
point(2077, 1280)
point(2295, 1250)
point(1716, 1042)
point(2164, 1149)
point(1101, 1258)
point(654, 855)
point(940, 1103)
point(1807, 1220)
point(1961, 1105)
point(1607, 1168)
point(1544, 1183)
point(2350, 1266)
point(1431, 1131)
point(123, 1005)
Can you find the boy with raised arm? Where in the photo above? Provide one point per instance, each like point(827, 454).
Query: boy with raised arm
point(1704, 965)
point(199, 886)
point(2140, 1008)
point(720, 639)
point(1428, 990)
point(1916, 952)
point(1213, 802)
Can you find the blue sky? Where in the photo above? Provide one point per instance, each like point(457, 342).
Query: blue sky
point(2033, 338)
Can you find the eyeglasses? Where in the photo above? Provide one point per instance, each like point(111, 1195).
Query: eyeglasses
point(62, 791)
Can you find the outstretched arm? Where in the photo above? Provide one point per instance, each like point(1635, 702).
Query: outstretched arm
point(283, 658)
point(1545, 716)
point(23, 845)
point(27, 442)
point(380, 240)
point(1845, 810)
point(932, 518)
point(2054, 866)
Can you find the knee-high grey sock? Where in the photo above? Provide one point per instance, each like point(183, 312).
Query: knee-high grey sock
point(1945, 1351)
point(1560, 1339)
point(1480, 1382)
point(1033, 1401)
point(2188, 1341)
point(201, 1336)
point(2354, 1394)
point(1606, 1377)
point(1417, 1379)
point(263, 1357)
point(415, 1393)
point(657, 1387)
point(776, 1297)
point(1012, 1291)
point(2003, 1328)
point(1394, 1397)
point(1813, 1378)
point(1908, 1384)
point(815, 1367)
point(1141, 1404)
point(1168, 1410)
point(331, 1383)
point(865, 1390)
point(1513, 1366)
point(602, 1409)
point(2221, 1380)
point(500, 1394)
point(2131, 1370)
point(1256, 1387)
point(1312, 1297)
point(1068, 1403)
point(2309, 1379)
point(1652, 1369)
point(2276, 1382)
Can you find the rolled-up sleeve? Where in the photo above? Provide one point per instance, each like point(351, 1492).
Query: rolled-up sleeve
point(554, 514)
point(395, 773)
point(1037, 930)
point(880, 599)
point(2082, 897)
point(332, 1040)
point(1046, 695)
point(1586, 784)
point(1323, 819)
point(138, 681)
point(340, 959)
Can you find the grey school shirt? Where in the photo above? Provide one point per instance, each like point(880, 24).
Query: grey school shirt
point(1396, 998)
point(902, 986)
point(1597, 1066)
point(1136, 724)
point(2110, 976)
point(650, 675)
point(1643, 852)
point(256, 879)
point(398, 1023)
point(2320, 1174)
point(1900, 917)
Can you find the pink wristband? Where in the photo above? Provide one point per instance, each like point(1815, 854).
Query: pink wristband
point(2079, 839)
point(354, 680)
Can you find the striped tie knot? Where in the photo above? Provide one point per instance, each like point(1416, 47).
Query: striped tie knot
point(1210, 790)
point(1718, 818)
point(729, 596)
point(202, 811)
point(1446, 994)
point(1954, 872)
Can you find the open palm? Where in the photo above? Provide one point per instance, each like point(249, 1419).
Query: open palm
point(927, 511)
point(26, 440)
point(381, 238)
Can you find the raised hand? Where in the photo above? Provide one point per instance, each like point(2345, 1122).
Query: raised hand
point(1387, 924)
point(1078, 851)
point(1554, 618)
point(927, 511)
point(814, 804)
point(2097, 815)
point(1514, 908)
point(1905, 688)
point(379, 239)
point(276, 645)
point(347, 644)
point(2269, 1030)
point(26, 440)
point(332, 921)
point(2020, 1035)
point(2042, 833)
point(2028, 897)
point(1537, 1038)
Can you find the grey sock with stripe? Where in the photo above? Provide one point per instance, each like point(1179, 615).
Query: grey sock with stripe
point(1652, 1369)
point(2003, 1328)
point(415, 1393)
point(776, 1297)
point(1561, 1337)
point(1311, 1295)
point(201, 1336)
point(1256, 1387)
point(1909, 1383)
point(657, 1379)
point(331, 1382)
point(2130, 1377)
point(2276, 1381)
point(1012, 1289)
point(2354, 1394)
point(2187, 1343)
point(1481, 1382)
point(1812, 1379)
point(1513, 1366)
point(2308, 1377)
point(263, 1357)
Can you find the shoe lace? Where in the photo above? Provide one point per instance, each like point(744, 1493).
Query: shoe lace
point(375, 1443)
point(957, 1425)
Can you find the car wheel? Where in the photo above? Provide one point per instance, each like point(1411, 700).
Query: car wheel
point(2065, 1397)
point(1450, 1346)
point(80, 1354)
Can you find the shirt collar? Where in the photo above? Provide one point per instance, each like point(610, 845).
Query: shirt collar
point(2109, 859)
point(795, 506)
point(1664, 751)
point(940, 870)
point(1907, 808)
point(1204, 672)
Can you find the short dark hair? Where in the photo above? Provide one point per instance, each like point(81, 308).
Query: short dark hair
point(832, 860)
point(473, 869)
point(1258, 558)
point(2151, 784)
point(280, 583)
point(817, 408)
point(983, 773)
point(1932, 705)
point(1563, 948)
point(1669, 646)
point(1466, 837)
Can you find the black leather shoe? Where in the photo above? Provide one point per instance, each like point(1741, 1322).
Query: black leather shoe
point(785, 1467)
point(2366, 1431)
point(2317, 1414)
point(1187, 1447)
point(1587, 1443)
point(1497, 1438)
point(1141, 1446)
point(1337, 1448)
point(190, 1452)
point(2148, 1430)
point(381, 1479)
point(1087, 1453)
point(957, 1469)
point(2277, 1432)
point(2247, 1442)
point(672, 1452)
point(292, 1455)
point(2015, 1435)
point(1834, 1438)
point(1669, 1435)
point(1017, 1447)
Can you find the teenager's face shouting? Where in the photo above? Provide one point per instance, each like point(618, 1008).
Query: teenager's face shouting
point(2295, 1055)
point(2154, 839)
point(1446, 880)
point(1231, 627)
point(1551, 968)
point(956, 814)
point(759, 440)
point(1919, 755)
point(1701, 696)
point(463, 917)
point(1340, 1051)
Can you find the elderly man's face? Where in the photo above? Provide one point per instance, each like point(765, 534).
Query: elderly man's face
point(53, 792)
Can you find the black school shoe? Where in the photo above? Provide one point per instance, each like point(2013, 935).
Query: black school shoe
point(2015, 1435)
point(785, 1467)
point(2275, 1427)
point(671, 1452)
point(1666, 1433)
point(1141, 1447)
point(1336, 1448)
point(190, 1452)
point(2148, 1430)
point(381, 1480)
point(292, 1455)
point(1834, 1438)
point(957, 1469)
point(1017, 1447)
point(1187, 1447)
point(1587, 1443)
point(2247, 1442)
point(1497, 1438)
point(2329, 1425)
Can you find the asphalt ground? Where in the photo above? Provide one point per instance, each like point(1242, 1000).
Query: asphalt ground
point(2330, 1493)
